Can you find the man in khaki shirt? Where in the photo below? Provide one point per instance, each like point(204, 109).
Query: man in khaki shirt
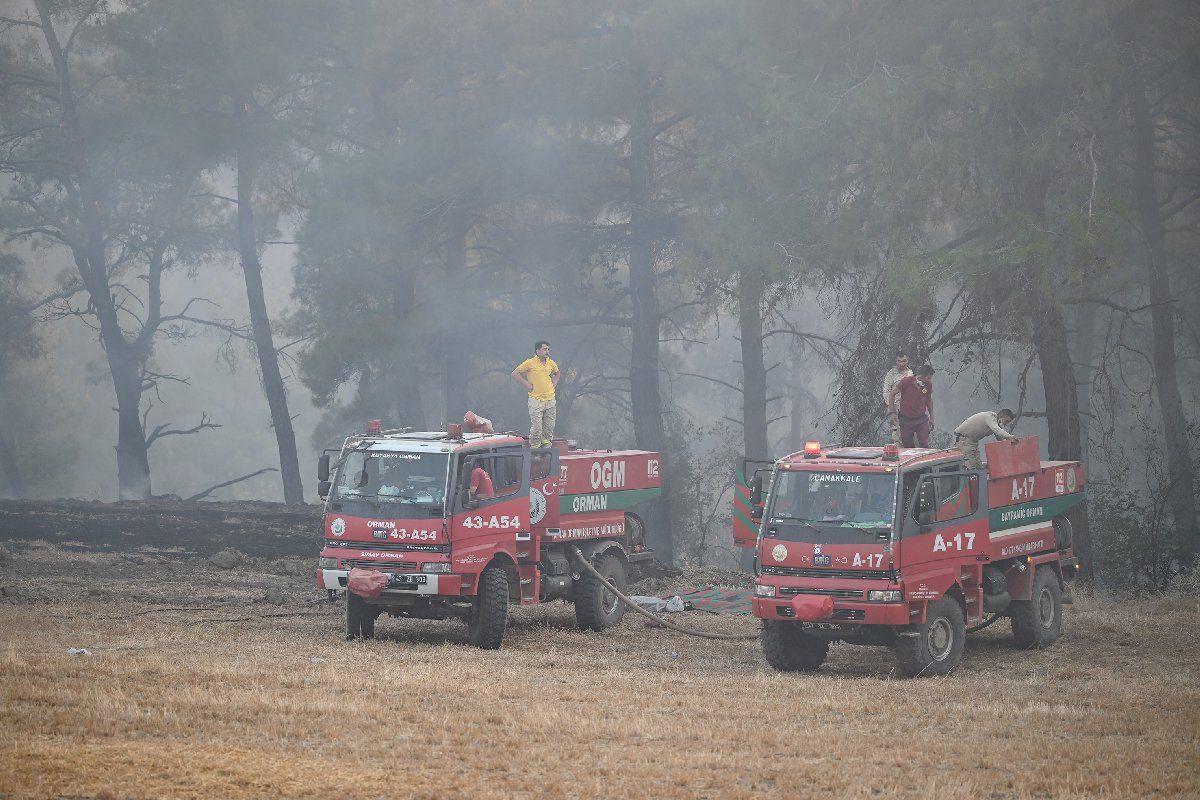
point(979, 426)
point(893, 375)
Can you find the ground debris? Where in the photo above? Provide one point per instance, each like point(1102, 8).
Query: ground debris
point(227, 559)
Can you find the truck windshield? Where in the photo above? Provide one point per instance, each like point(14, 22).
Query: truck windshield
point(832, 506)
point(393, 479)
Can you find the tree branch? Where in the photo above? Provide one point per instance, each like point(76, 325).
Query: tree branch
point(737, 389)
point(161, 431)
point(212, 489)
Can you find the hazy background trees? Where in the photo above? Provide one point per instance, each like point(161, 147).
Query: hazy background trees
point(725, 217)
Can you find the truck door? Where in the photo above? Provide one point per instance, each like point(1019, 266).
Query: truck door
point(498, 520)
point(944, 521)
point(745, 524)
point(543, 492)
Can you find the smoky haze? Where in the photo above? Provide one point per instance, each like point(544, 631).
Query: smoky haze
point(726, 219)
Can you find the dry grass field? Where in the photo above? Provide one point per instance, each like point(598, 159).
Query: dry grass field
point(254, 694)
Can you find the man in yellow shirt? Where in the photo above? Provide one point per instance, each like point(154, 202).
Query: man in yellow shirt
point(540, 376)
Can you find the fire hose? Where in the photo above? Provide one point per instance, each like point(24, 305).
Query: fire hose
point(657, 619)
point(985, 623)
point(587, 565)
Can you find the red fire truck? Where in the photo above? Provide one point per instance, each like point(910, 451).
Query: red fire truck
point(907, 548)
point(399, 504)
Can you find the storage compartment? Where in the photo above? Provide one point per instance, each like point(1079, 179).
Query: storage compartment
point(1008, 457)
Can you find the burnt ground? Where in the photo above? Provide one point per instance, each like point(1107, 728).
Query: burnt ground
point(258, 530)
point(176, 552)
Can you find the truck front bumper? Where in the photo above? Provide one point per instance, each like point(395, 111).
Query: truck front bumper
point(435, 584)
point(844, 611)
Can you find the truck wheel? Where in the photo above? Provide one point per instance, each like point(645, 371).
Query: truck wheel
point(938, 645)
point(1036, 623)
point(789, 649)
point(489, 614)
point(596, 607)
point(360, 618)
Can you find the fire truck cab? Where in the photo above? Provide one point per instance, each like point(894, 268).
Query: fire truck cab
point(443, 524)
point(906, 548)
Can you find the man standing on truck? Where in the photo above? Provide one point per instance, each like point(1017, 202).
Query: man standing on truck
point(915, 415)
point(890, 379)
point(978, 426)
point(541, 382)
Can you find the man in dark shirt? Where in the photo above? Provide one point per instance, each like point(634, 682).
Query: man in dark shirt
point(915, 415)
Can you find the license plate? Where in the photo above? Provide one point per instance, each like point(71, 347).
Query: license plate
point(408, 580)
point(821, 626)
point(823, 560)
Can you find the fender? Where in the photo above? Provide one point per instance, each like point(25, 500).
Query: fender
point(504, 561)
point(596, 547)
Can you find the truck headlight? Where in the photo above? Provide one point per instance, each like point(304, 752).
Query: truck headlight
point(436, 566)
point(762, 590)
point(326, 563)
point(885, 595)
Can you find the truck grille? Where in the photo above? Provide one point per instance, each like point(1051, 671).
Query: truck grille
point(400, 565)
point(433, 548)
point(830, 592)
point(845, 574)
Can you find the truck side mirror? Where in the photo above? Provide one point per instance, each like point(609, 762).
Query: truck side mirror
point(756, 492)
point(464, 484)
point(464, 496)
point(323, 469)
point(323, 489)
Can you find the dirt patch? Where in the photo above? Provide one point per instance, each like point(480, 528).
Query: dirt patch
point(204, 682)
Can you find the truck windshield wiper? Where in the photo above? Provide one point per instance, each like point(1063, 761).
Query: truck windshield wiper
point(405, 497)
point(801, 520)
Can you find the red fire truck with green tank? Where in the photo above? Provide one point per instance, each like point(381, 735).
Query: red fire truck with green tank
point(907, 548)
point(399, 510)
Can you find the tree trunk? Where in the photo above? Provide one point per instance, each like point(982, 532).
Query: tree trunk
point(1181, 495)
point(455, 341)
point(133, 463)
point(1083, 352)
point(1051, 342)
point(754, 370)
point(260, 322)
point(124, 363)
point(409, 408)
point(12, 472)
point(645, 398)
point(754, 376)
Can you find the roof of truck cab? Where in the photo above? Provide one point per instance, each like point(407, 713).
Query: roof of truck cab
point(430, 441)
point(586, 453)
point(866, 458)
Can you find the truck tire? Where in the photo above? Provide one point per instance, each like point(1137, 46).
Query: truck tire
point(489, 614)
point(597, 608)
point(360, 618)
point(1036, 623)
point(937, 646)
point(789, 649)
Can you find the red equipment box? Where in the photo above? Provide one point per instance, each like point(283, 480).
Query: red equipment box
point(1008, 457)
